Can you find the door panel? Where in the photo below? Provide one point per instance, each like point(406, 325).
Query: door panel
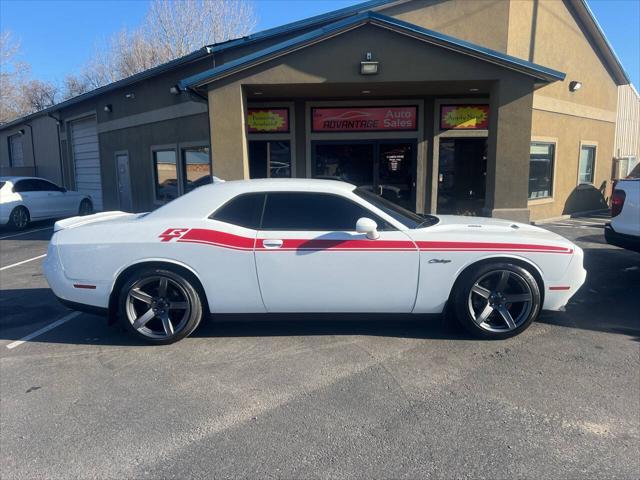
point(124, 182)
point(309, 259)
point(336, 271)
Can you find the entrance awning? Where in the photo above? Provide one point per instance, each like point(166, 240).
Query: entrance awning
point(541, 74)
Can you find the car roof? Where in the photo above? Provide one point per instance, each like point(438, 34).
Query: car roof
point(204, 200)
point(16, 179)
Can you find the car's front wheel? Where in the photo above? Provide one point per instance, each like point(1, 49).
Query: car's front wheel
point(160, 306)
point(497, 300)
point(19, 218)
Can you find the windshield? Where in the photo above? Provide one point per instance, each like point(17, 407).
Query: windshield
point(404, 216)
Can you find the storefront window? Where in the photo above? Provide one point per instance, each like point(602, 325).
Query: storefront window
point(269, 159)
point(352, 162)
point(196, 167)
point(166, 175)
point(587, 163)
point(541, 158)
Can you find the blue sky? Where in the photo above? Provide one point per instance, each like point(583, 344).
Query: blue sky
point(57, 37)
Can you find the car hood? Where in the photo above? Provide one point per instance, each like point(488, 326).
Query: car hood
point(482, 229)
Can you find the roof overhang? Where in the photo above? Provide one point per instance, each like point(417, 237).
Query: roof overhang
point(540, 73)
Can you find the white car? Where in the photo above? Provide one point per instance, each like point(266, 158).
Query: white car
point(26, 199)
point(295, 245)
point(624, 228)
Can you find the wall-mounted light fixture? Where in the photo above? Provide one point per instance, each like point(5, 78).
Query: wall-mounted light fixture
point(368, 66)
point(22, 131)
point(129, 95)
point(175, 90)
point(108, 108)
point(574, 86)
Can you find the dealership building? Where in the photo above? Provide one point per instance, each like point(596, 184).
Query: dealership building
point(502, 108)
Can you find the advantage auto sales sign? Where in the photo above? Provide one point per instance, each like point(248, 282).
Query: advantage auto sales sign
point(365, 119)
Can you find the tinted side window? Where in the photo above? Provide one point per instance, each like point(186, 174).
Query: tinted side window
point(44, 186)
point(24, 186)
point(313, 211)
point(243, 210)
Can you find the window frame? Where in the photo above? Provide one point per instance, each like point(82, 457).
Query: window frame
point(545, 141)
point(154, 177)
point(389, 227)
point(588, 144)
point(183, 164)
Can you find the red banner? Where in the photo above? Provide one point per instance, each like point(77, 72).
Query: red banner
point(364, 119)
point(268, 120)
point(464, 117)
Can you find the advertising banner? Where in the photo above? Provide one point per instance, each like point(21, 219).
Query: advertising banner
point(268, 120)
point(364, 119)
point(464, 117)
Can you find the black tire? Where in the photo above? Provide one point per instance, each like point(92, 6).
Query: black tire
point(85, 208)
point(135, 307)
point(19, 218)
point(481, 300)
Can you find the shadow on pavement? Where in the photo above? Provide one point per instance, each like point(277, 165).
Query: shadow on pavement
point(33, 232)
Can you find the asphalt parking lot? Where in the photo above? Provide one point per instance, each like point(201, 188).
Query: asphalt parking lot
point(323, 396)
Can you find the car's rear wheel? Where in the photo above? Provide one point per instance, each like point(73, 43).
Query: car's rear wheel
point(19, 218)
point(497, 300)
point(86, 207)
point(160, 306)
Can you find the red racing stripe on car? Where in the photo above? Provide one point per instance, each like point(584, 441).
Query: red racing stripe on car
point(218, 239)
point(490, 247)
point(336, 244)
point(239, 242)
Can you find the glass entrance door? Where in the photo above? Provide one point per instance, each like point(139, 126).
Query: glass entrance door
point(462, 172)
point(386, 168)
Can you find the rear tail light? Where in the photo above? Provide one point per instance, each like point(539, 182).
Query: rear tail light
point(617, 202)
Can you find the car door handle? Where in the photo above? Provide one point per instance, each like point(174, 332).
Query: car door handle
point(272, 243)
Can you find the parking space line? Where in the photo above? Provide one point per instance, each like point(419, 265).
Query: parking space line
point(23, 262)
point(37, 333)
point(28, 231)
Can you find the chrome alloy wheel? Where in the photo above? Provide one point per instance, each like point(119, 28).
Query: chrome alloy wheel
point(500, 301)
point(157, 307)
point(19, 218)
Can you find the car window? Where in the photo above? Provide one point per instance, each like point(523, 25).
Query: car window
point(404, 216)
point(24, 186)
point(2, 184)
point(314, 211)
point(44, 186)
point(244, 210)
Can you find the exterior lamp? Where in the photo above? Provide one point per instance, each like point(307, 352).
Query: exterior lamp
point(108, 108)
point(368, 66)
point(574, 86)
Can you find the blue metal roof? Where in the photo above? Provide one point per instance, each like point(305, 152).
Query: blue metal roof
point(537, 71)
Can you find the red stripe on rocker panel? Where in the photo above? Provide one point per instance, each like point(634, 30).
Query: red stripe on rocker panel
point(485, 246)
point(214, 237)
point(337, 244)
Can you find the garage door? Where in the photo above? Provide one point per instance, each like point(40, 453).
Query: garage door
point(86, 158)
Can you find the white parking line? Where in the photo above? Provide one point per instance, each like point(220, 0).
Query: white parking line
point(37, 333)
point(28, 231)
point(23, 262)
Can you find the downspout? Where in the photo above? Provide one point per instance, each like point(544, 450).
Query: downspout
point(33, 151)
point(58, 122)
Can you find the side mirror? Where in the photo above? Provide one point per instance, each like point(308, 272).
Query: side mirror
point(368, 227)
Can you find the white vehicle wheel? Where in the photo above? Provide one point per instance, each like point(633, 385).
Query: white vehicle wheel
point(160, 306)
point(19, 218)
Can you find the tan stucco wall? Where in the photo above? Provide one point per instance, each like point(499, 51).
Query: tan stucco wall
point(484, 22)
point(568, 197)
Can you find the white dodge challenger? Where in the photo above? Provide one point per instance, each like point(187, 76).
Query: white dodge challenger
point(306, 246)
